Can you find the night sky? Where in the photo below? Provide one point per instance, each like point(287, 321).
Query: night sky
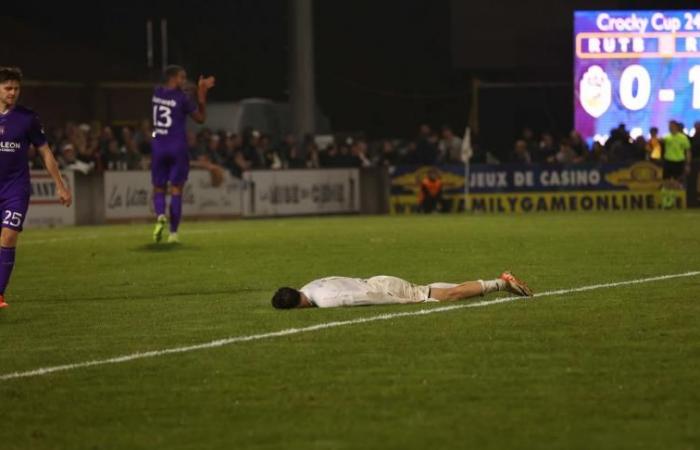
point(382, 66)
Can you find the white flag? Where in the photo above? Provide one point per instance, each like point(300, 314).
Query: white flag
point(467, 151)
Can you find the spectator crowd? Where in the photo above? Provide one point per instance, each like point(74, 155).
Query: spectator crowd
point(620, 146)
point(95, 147)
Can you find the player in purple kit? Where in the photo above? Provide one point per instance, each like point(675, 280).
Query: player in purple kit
point(170, 161)
point(19, 128)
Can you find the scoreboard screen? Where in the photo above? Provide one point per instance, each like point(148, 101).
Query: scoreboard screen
point(640, 68)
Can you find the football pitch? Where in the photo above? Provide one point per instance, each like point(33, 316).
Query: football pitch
point(616, 367)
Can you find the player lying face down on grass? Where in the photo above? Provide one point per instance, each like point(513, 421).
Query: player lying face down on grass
point(383, 290)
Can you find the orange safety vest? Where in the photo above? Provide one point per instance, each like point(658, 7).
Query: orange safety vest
point(432, 186)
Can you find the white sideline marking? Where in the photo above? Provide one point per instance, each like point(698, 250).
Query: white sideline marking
point(320, 326)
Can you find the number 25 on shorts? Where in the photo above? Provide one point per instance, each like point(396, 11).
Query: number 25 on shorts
point(12, 219)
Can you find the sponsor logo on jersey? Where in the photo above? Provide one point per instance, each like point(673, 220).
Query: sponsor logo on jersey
point(164, 102)
point(9, 146)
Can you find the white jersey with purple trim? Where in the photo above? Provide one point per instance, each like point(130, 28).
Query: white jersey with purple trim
point(342, 291)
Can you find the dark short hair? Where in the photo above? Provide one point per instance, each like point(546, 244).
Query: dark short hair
point(10, 74)
point(172, 71)
point(286, 298)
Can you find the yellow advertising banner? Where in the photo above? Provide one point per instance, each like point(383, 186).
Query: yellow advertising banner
point(530, 202)
point(512, 188)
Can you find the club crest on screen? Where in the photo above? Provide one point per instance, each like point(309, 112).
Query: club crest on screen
point(595, 91)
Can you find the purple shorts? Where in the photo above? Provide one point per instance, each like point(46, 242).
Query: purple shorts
point(13, 211)
point(169, 166)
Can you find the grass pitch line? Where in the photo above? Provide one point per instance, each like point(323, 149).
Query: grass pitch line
point(322, 326)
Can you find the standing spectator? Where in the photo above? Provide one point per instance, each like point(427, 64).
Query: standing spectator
point(132, 155)
point(144, 136)
point(450, 147)
point(288, 142)
point(330, 157)
point(359, 154)
point(194, 150)
point(141, 130)
point(410, 154)
point(546, 148)
point(68, 156)
point(213, 152)
point(312, 156)
point(388, 156)
point(578, 144)
point(639, 149)
point(426, 146)
point(89, 153)
point(57, 139)
point(695, 141)
point(250, 151)
point(528, 136)
point(114, 158)
point(270, 154)
point(677, 155)
point(294, 160)
point(618, 146)
point(232, 145)
point(520, 153)
point(106, 136)
point(345, 158)
point(240, 164)
point(565, 155)
point(654, 148)
point(598, 154)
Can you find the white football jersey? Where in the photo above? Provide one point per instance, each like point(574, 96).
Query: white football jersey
point(342, 291)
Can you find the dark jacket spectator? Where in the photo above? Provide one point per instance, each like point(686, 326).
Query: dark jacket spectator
point(546, 149)
point(695, 141)
point(388, 155)
point(114, 158)
point(426, 146)
point(520, 153)
point(330, 157)
point(578, 144)
point(250, 151)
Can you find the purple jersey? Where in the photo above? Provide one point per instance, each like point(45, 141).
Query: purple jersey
point(170, 110)
point(19, 127)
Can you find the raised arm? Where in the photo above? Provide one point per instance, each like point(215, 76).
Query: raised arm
point(51, 165)
point(203, 85)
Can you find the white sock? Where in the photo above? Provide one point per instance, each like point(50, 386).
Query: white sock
point(489, 286)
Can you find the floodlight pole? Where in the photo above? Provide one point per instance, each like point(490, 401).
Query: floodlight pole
point(301, 90)
point(149, 44)
point(164, 42)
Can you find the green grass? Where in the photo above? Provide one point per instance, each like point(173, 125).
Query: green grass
point(606, 369)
